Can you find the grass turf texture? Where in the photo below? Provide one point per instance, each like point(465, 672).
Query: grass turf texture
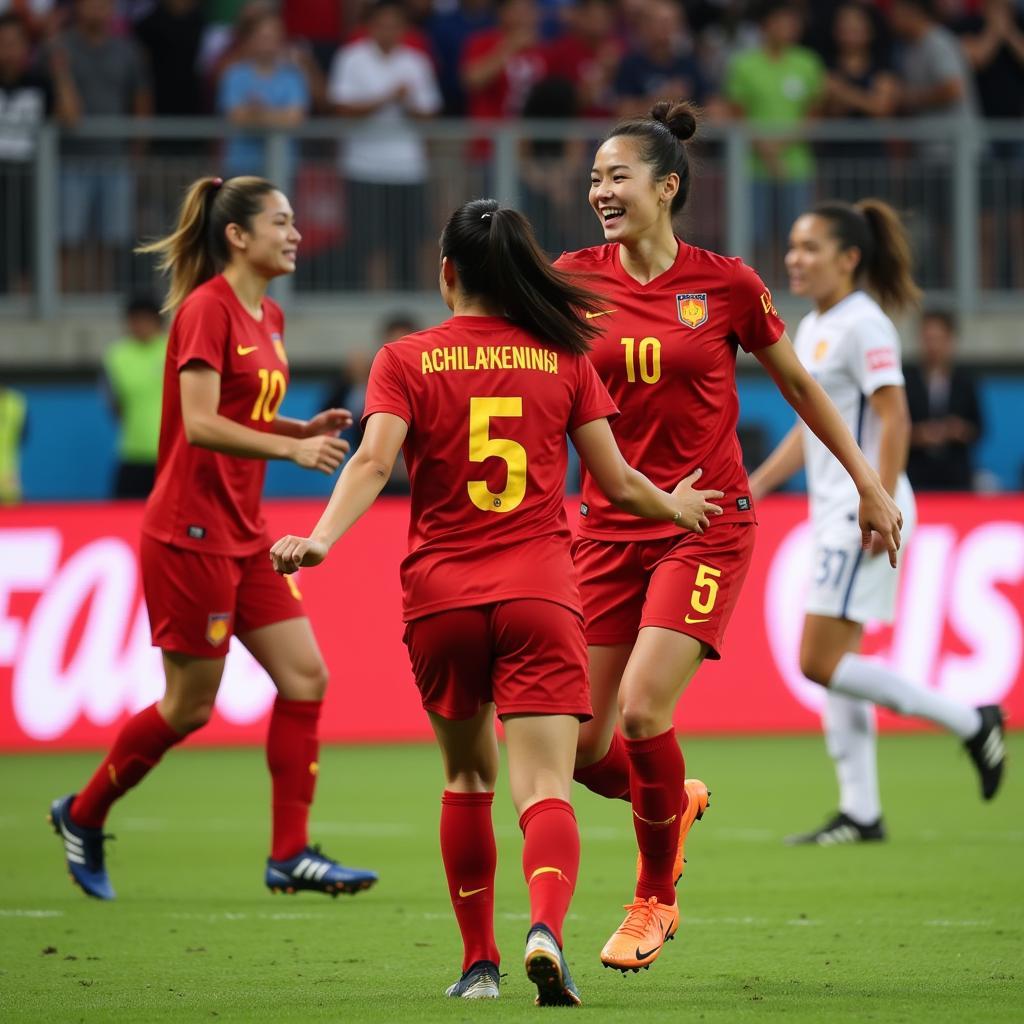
point(925, 927)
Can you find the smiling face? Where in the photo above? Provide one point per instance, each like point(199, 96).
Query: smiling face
point(628, 201)
point(271, 242)
point(818, 269)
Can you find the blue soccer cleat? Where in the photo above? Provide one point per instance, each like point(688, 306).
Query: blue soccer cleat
point(83, 850)
point(310, 869)
point(480, 981)
point(547, 969)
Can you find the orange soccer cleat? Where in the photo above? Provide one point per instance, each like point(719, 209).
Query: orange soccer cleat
point(699, 802)
point(639, 939)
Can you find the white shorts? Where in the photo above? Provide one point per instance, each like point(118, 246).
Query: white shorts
point(848, 582)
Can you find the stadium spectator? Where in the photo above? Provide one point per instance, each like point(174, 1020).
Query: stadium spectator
point(349, 392)
point(133, 377)
point(264, 88)
point(935, 76)
point(777, 84)
point(588, 54)
point(40, 17)
point(101, 74)
point(27, 99)
point(662, 63)
point(860, 81)
point(384, 85)
point(171, 34)
point(13, 418)
point(501, 65)
point(448, 32)
point(945, 411)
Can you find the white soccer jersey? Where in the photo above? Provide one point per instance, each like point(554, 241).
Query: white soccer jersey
point(852, 350)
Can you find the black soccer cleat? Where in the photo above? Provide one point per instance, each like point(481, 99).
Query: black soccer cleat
point(987, 748)
point(480, 980)
point(839, 830)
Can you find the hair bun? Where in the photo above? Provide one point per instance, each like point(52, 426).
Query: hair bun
point(680, 118)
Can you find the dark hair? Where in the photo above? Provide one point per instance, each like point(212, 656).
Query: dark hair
point(497, 257)
point(663, 135)
point(404, 322)
point(142, 303)
point(11, 20)
point(947, 319)
point(768, 8)
point(926, 7)
point(197, 248)
point(886, 263)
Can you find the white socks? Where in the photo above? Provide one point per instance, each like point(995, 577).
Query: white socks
point(856, 676)
point(850, 739)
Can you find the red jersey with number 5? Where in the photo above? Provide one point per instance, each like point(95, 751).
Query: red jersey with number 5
point(204, 500)
point(488, 408)
point(667, 355)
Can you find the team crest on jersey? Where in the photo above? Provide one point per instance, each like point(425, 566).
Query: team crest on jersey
point(217, 628)
point(692, 308)
point(278, 343)
point(819, 350)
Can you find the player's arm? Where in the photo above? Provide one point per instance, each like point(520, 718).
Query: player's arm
point(330, 421)
point(889, 403)
point(357, 489)
point(206, 428)
point(630, 490)
point(786, 460)
point(878, 512)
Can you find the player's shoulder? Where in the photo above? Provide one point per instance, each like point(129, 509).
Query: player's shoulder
point(593, 259)
point(729, 269)
point(860, 311)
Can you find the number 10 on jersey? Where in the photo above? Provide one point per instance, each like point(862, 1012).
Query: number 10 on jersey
point(644, 358)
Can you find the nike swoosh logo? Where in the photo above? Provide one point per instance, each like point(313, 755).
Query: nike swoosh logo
point(692, 620)
point(245, 351)
point(472, 892)
point(601, 312)
point(656, 824)
point(640, 955)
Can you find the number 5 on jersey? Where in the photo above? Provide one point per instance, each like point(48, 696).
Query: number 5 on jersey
point(482, 447)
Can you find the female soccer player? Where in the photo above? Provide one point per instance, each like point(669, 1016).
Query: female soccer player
point(656, 604)
point(481, 405)
point(204, 543)
point(838, 253)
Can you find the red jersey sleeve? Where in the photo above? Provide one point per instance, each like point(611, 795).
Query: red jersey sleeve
point(753, 318)
point(591, 401)
point(203, 328)
point(386, 390)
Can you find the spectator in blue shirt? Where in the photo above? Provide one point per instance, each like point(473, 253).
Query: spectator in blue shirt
point(662, 65)
point(265, 87)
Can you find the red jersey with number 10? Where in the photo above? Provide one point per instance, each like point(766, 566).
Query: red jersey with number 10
point(488, 408)
point(667, 355)
point(205, 500)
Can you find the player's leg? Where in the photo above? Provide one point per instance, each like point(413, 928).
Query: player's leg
point(451, 661)
point(288, 651)
point(849, 724)
point(601, 762)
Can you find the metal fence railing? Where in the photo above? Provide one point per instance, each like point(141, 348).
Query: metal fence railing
point(75, 206)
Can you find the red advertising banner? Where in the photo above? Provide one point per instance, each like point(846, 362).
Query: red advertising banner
point(75, 654)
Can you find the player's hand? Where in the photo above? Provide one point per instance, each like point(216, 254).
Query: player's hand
point(879, 513)
point(290, 553)
point(330, 421)
point(324, 452)
point(695, 506)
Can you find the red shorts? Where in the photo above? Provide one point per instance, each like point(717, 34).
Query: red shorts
point(527, 656)
point(197, 601)
point(689, 584)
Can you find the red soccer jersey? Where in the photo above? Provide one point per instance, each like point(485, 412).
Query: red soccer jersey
point(203, 500)
point(506, 93)
point(488, 408)
point(668, 358)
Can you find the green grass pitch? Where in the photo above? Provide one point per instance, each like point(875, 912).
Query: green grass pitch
point(926, 927)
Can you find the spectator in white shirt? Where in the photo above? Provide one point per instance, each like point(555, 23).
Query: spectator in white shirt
point(384, 85)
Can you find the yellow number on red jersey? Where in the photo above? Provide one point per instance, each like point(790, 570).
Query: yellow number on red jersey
point(645, 358)
point(272, 389)
point(482, 446)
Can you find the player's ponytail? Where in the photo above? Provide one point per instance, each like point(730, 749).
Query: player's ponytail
point(197, 248)
point(497, 258)
point(886, 264)
point(662, 137)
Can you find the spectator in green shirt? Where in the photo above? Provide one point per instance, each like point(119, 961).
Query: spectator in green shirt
point(134, 377)
point(777, 83)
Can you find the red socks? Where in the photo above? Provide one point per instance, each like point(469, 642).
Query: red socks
point(141, 742)
point(551, 861)
point(470, 858)
point(292, 751)
point(608, 777)
point(658, 794)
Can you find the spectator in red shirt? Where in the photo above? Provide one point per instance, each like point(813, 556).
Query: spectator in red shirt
point(588, 55)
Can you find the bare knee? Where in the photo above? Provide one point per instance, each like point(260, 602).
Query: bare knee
point(642, 717)
point(471, 780)
point(305, 682)
point(186, 714)
point(591, 746)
